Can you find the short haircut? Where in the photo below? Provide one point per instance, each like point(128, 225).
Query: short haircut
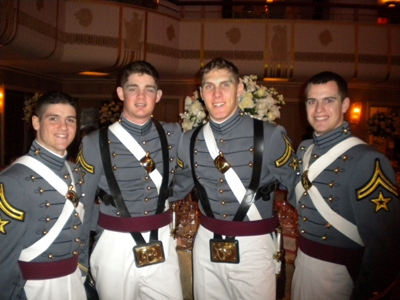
point(220, 63)
point(54, 97)
point(325, 77)
point(138, 67)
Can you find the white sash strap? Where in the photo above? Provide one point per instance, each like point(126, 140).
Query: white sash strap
point(341, 224)
point(133, 146)
point(41, 245)
point(231, 177)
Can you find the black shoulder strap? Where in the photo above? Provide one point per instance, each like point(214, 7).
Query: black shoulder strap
point(162, 197)
point(248, 198)
point(200, 190)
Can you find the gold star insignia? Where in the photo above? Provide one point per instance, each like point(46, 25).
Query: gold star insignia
point(294, 164)
point(381, 202)
point(2, 224)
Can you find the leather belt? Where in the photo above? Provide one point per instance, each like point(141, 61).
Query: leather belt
point(138, 224)
point(351, 258)
point(239, 228)
point(48, 270)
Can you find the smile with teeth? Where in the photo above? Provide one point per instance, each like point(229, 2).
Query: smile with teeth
point(218, 104)
point(321, 118)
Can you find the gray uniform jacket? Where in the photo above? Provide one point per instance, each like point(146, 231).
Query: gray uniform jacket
point(29, 208)
point(234, 138)
point(360, 186)
point(137, 189)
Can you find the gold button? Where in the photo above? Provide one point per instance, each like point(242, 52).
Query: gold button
point(224, 216)
point(324, 237)
point(114, 168)
point(47, 219)
point(146, 200)
point(149, 188)
point(196, 165)
point(146, 177)
point(251, 149)
point(303, 206)
point(41, 191)
point(76, 214)
point(44, 232)
point(344, 157)
point(221, 191)
point(302, 148)
point(65, 176)
point(302, 232)
point(330, 199)
point(305, 193)
point(76, 253)
point(50, 256)
point(250, 165)
point(47, 204)
point(118, 213)
point(328, 225)
point(169, 133)
point(195, 151)
point(172, 171)
point(77, 240)
point(33, 178)
point(345, 130)
point(171, 159)
point(37, 151)
point(304, 219)
point(331, 184)
point(114, 154)
point(144, 142)
point(336, 170)
point(300, 161)
point(223, 203)
point(315, 155)
point(75, 227)
point(221, 180)
point(169, 147)
point(221, 141)
point(146, 213)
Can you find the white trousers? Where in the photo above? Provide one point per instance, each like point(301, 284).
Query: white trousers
point(117, 277)
point(253, 278)
point(68, 287)
point(315, 279)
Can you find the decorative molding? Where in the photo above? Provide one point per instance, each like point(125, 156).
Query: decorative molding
point(325, 57)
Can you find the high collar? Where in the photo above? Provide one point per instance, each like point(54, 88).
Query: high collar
point(333, 137)
point(135, 129)
point(234, 121)
point(48, 158)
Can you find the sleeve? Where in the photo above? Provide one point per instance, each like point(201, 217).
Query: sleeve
point(13, 225)
point(282, 161)
point(375, 202)
point(182, 181)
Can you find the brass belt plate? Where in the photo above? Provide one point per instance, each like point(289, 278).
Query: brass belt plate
point(149, 254)
point(224, 251)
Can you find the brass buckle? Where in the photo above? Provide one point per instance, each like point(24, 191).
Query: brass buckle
point(224, 251)
point(221, 163)
point(149, 254)
point(72, 196)
point(307, 184)
point(148, 163)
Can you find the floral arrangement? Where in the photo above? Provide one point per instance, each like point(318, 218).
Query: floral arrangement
point(195, 112)
point(382, 124)
point(110, 112)
point(256, 101)
point(29, 109)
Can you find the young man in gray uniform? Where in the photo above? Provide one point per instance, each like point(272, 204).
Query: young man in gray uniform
point(236, 163)
point(348, 205)
point(41, 213)
point(130, 164)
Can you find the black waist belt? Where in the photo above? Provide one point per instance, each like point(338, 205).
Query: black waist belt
point(238, 228)
point(48, 270)
point(138, 224)
point(351, 258)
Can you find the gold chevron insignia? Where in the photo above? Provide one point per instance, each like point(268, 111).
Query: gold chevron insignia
point(381, 202)
point(378, 179)
point(179, 163)
point(7, 208)
point(80, 160)
point(287, 155)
